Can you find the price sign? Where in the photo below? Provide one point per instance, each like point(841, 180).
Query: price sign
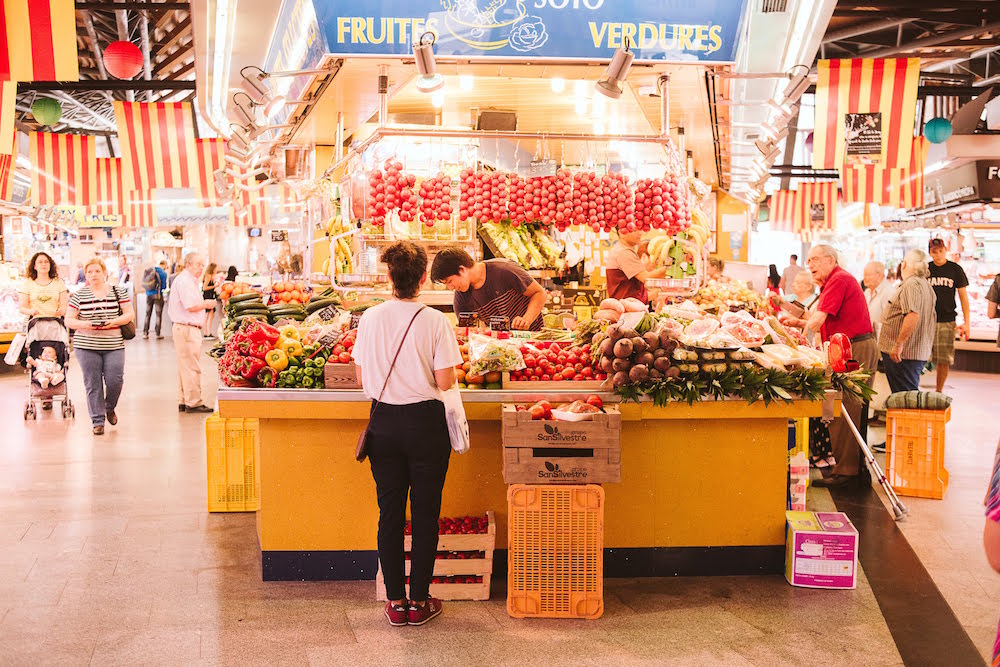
point(500, 323)
point(279, 235)
point(329, 339)
point(356, 319)
point(467, 319)
point(542, 168)
point(328, 314)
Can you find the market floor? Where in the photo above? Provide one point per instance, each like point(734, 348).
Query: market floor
point(107, 556)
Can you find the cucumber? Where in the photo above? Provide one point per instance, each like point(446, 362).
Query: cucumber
point(319, 304)
point(243, 297)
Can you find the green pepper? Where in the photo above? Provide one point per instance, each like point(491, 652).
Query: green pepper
point(309, 363)
point(320, 362)
point(307, 382)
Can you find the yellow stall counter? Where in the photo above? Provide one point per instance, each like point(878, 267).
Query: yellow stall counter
point(702, 488)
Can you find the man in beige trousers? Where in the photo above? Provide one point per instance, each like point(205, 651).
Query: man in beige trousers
point(187, 309)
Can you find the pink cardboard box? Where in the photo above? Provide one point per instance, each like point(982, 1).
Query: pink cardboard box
point(821, 550)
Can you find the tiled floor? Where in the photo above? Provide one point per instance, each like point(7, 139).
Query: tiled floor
point(107, 556)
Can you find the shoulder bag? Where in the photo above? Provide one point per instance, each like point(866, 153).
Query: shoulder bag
point(127, 330)
point(361, 451)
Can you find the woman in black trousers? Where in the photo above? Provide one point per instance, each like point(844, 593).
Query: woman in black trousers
point(409, 446)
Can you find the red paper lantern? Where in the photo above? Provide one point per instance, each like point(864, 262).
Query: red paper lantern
point(123, 60)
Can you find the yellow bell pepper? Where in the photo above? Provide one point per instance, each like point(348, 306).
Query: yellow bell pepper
point(289, 331)
point(290, 346)
point(277, 359)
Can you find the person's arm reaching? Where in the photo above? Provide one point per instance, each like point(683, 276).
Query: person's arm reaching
point(816, 320)
point(538, 299)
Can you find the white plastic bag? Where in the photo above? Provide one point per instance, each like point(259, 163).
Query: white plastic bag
point(14, 351)
point(458, 425)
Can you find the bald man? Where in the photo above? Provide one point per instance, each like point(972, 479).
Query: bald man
point(878, 291)
point(187, 308)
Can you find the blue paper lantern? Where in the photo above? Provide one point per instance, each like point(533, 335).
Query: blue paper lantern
point(937, 130)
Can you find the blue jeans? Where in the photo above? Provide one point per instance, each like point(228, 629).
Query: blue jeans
point(103, 374)
point(903, 375)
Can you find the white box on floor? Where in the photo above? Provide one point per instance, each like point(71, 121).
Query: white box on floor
point(821, 550)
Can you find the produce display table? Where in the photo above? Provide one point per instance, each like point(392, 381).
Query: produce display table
point(702, 488)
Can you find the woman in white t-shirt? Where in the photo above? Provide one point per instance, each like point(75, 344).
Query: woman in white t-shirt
point(409, 446)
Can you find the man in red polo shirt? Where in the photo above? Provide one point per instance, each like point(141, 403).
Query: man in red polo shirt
point(842, 309)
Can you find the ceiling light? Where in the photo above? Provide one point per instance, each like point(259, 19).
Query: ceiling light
point(783, 111)
point(423, 52)
point(558, 85)
point(466, 82)
point(614, 78)
point(797, 84)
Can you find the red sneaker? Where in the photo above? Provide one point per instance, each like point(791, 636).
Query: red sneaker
point(418, 615)
point(397, 614)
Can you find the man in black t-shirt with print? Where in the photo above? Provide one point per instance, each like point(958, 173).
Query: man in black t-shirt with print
point(946, 277)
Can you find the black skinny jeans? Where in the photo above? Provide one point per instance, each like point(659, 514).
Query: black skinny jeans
point(409, 449)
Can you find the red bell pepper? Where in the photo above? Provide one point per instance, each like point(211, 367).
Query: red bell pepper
point(259, 349)
point(267, 377)
point(259, 331)
point(250, 366)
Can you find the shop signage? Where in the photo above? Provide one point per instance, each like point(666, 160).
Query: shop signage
point(278, 235)
point(960, 193)
point(90, 220)
point(989, 178)
point(666, 30)
point(296, 44)
point(863, 138)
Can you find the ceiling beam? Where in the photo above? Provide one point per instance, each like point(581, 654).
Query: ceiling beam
point(932, 40)
point(172, 61)
point(862, 29)
point(95, 48)
point(177, 74)
point(71, 86)
point(134, 5)
point(147, 72)
point(173, 37)
point(946, 17)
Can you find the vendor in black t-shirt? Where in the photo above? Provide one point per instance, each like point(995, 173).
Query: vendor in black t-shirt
point(496, 287)
point(946, 277)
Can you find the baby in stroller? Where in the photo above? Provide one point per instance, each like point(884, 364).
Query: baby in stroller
point(46, 356)
point(48, 371)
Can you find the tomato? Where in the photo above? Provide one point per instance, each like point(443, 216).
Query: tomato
point(534, 378)
point(338, 348)
point(530, 362)
point(578, 367)
point(546, 378)
point(595, 401)
point(568, 374)
point(587, 372)
point(344, 357)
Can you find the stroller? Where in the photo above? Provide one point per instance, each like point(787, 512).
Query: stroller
point(47, 332)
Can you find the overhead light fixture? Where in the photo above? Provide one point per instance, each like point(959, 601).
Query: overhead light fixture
point(611, 85)
point(254, 78)
point(423, 53)
point(797, 84)
point(783, 111)
point(774, 131)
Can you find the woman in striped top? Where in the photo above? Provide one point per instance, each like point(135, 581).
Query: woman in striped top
point(96, 312)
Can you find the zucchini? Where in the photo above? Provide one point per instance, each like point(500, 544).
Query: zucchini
point(319, 304)
point(243, 297)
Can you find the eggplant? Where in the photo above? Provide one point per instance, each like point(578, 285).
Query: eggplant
point(623, 348)
point(620, 379)
point(652, 340)
point(638, 373)
point(646, 359)
point(620, 365)
point(661, 364)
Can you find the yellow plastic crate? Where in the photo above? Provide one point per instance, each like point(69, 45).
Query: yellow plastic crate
point(231, 445)
point(914, 452)
point(555, 555)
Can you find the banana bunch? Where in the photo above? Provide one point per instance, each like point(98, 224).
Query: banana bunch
point(336, 225)
point(677, 253)
point(659, 247)
point(701, 229)
point(343, 258)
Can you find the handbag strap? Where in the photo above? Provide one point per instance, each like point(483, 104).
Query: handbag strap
point(398, 350)
point(114, 290)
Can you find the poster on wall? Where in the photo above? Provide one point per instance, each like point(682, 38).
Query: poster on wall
point(863, 138)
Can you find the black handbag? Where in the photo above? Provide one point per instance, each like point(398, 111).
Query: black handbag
point(361, 450)
point(127, 330)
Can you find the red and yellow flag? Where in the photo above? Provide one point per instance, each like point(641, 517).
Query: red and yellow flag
point(253, 201)
point(8, 163)
point(158, 144)
point(8, 95)
point(786, 211)
point(899, 188)
point(211, 155)
point(38, 40)
point(110, 191)
point(62, 169)
point(865, 110)
point(140, 209)
point(810, 210)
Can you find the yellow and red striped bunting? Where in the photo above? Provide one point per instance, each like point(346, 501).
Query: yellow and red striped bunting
point(865, 85)
point(258, 212)
point(211, 155)
point(62, 169)
point(140, 209)
point(158, 144)
point(38, 40)
point(8, 163)
point(899, 188)
point(797, 211)
point(8, 96)
point(110, 187)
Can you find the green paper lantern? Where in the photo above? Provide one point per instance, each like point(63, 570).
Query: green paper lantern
point(937, 130)
point(46, 110)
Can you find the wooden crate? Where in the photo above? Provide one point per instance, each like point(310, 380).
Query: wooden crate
point(341, 376)
point(583, 386)
point(561, 452)
point(445, 567)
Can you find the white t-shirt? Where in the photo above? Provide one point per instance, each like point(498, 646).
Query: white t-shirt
point(430, 346)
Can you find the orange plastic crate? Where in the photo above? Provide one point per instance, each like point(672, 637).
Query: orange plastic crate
point(914, 452)
point(555, 539)
point(233, 484)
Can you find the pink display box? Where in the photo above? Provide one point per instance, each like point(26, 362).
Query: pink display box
point(821, 550)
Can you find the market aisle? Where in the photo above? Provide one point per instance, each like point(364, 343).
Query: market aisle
point(108, 555)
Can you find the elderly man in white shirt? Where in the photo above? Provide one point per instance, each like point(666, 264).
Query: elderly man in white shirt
point(187, 308)
point(878, 291)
